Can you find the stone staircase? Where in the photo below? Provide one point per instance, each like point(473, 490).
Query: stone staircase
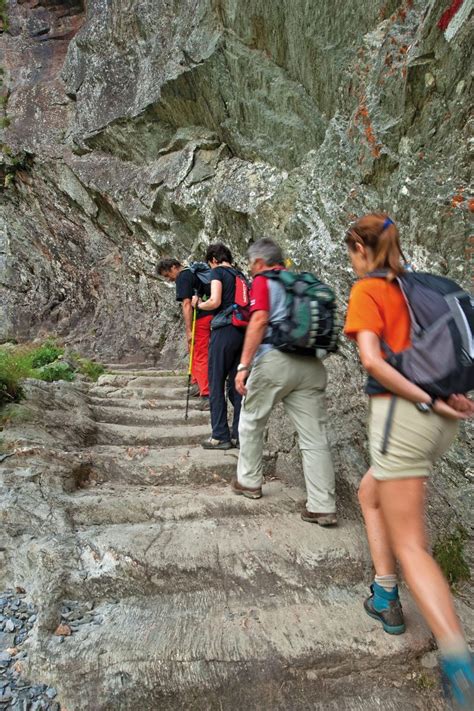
point(206, 600)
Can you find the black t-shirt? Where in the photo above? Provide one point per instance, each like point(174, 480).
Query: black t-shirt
point(227, 278)
point(187, 284)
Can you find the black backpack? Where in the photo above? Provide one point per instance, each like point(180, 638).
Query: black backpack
point(312, 325)
point(441, 357)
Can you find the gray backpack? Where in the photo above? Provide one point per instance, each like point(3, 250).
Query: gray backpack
point(441, 357)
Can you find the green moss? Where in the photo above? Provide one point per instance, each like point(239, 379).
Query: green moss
point(4, 15)
point(425, 682)
point(449, 552)
point(15, 413)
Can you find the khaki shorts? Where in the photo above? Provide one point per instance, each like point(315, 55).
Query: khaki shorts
point(416, 439)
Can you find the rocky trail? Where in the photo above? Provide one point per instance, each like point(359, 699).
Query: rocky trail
point(177, 594)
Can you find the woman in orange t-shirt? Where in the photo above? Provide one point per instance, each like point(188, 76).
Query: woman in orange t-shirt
point(392, 492)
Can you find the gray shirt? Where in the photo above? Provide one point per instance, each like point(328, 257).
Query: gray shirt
point(270, 295)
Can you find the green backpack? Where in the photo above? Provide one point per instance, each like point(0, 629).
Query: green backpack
point(312, 325)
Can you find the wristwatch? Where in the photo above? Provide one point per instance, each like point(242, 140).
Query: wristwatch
point(241, 368)
point(425, 407)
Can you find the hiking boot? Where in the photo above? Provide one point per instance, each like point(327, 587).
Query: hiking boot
point(457, 676)
point(204, 404)
point(194, 391)
point(245, 491)
point(385, 606)
point(323, 519)
point(235, 442)
point(215, 444)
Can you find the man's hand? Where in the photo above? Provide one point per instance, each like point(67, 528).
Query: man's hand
point(195, 301)
point(240, 380)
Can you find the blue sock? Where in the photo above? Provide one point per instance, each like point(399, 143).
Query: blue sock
point(383, 597)
point(459, 672)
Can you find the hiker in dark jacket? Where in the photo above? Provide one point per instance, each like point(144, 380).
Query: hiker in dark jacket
point(187, 285)
point(408, 430)
point(224, 349)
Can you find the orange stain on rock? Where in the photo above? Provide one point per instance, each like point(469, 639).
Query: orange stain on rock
point(457, 200)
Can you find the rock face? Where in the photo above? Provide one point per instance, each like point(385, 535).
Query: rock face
point(156, 587)
point(137, 131)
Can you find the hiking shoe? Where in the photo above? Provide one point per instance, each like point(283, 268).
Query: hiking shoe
point(245, 491)
point(391, 616)
point(457, 676)
point(204, 404)
point(194, 391)
point(215, 444)
point(235, 442)
point(323, 519)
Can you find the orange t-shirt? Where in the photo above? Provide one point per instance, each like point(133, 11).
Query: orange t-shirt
point(379, 306)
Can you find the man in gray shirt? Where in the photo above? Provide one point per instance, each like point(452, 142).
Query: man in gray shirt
point(266, 376)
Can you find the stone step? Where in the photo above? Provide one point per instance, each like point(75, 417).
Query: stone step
point(161, 415)
point(128, 366)
point(157, 467)
point(133, 380)
point(192, 544)
point(165, 393)
point(112, 503)
point(164, 436)
point(144, 404)
point(220, 649)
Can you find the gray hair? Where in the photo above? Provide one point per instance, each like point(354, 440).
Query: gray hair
point(266, 249)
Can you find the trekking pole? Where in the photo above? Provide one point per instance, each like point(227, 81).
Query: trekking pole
point(191, 354)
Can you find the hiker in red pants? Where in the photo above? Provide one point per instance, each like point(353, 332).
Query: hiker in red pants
point(190, 281)
point(410, 329)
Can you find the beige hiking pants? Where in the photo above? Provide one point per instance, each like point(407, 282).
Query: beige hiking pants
point(299, 382)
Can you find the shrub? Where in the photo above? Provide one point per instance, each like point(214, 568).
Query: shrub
point(90, 368)
point(13, 368)
point(47, 353)
point(56, 371)
point(28, 361)
point(42, 362)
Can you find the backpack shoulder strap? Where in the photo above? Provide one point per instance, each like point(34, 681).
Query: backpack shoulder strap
point(377, 274)
point(272, 274)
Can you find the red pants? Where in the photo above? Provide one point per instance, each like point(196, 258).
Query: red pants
point(199, 369)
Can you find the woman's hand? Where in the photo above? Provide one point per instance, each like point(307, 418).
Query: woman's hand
point(461, 403)
point(195, 301)
point(446, 410)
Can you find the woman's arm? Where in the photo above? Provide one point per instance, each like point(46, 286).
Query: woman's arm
point(214, 300)
point(385, 374)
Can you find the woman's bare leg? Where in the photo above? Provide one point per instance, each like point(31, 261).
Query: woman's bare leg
point(402, 503)
point(377, 535)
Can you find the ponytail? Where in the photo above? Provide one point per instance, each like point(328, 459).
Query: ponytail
point(379, 233)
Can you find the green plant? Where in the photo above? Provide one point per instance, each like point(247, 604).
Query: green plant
point(14, 367)
point(28, 361)
point(449, 552)
point(47, 353)
point(425, 682)
point(90, 368)
point(56, 371)
point(3, 15)
point(15, 413)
